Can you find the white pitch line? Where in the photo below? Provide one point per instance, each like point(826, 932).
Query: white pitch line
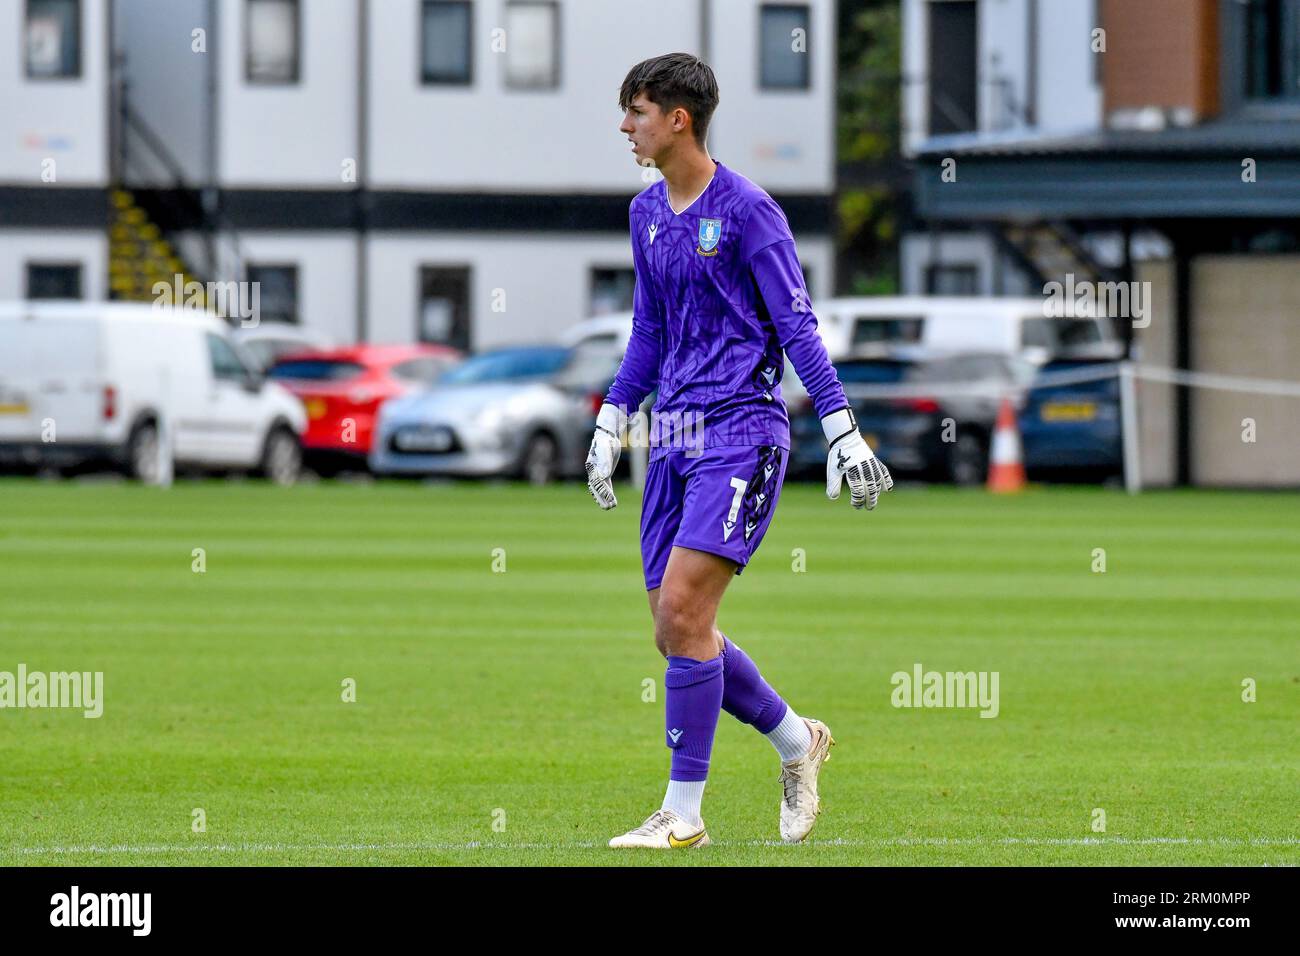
point(479, 845)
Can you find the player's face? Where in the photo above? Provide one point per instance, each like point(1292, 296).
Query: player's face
point(648, 129)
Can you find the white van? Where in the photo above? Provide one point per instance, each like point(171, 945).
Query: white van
point(928, 324)
point(84, 381)
point(1015, 326)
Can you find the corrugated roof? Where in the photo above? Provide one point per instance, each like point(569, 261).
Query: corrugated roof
point(1234, 137)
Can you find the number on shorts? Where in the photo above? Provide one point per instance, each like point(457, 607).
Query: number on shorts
point(740, 484)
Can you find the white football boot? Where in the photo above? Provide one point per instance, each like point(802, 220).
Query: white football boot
point(664, 830)
point(800, 802)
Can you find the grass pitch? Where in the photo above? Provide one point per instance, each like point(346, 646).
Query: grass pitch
point(499, 716)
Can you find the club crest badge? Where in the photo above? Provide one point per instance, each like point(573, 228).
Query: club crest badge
point(710, 233)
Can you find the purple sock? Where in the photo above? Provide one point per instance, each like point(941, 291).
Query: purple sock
point(746, 696)
point(693, 691)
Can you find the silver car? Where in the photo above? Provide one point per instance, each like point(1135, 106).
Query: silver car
point(524, 412)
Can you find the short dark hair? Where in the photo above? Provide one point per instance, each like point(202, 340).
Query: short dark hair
point(673, 80)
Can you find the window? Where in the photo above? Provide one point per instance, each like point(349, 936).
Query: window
point(783, 47)
point(422, 371)
point(226, 365)
point(277, 290)
point(53, 39)
point(444, 306)
point(316, 370)
point(1272, 40)
point(53, 280)
point(507, 365)
point(611, 290)
point(879, 330)
point(271, 41)
point(532, 45)
point(952, 103)
point(445, 43)
point(591, 367)
point(951, 280)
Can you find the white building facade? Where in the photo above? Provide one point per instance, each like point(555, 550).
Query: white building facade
point(397, 170)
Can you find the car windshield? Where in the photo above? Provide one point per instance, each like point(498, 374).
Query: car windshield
point(508, 365)
point(591, 365)
point(262, 351)
point(1054, 333)
point(317, 370)
point(1076, 365)
point(874, 372)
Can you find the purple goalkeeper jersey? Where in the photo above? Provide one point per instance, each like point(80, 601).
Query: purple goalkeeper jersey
point(719, 298)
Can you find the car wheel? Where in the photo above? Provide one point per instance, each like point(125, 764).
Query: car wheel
point(142, 453)
point(968, 461)
point(282, 457)
point(541, 459)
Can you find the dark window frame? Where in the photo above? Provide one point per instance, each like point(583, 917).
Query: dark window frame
point(296, 77)
point(964, 269)
point(464, 269)
point(806, 10)
point(292, 267)
point(435, 80)
point(76, 265)
point(968, 123)
point(1234, 81)
point(591, 286)
point(1287, 51)
point(557, 43)
point(78, 58)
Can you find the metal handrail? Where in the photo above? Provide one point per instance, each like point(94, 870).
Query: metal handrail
point(226, 257)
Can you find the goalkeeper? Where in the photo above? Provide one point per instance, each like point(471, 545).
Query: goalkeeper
point(719, 302)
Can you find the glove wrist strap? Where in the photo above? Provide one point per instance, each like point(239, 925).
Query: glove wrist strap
point(839, 424)
point(611, 419)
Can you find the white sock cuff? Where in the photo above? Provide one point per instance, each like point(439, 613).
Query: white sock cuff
point(684, 798)
point(791, 737)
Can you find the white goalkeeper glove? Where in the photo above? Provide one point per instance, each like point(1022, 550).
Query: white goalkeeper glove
point(850, 457)
point(603, 456)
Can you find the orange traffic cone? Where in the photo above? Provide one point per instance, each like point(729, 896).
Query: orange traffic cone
point(1006, 464)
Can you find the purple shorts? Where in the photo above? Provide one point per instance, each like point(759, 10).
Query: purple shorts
point(720, 501)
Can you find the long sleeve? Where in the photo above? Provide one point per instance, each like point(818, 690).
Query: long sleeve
point(638, 373)
point(770, 252)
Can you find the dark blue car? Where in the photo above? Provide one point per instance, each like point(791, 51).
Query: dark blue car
point(1072, 429)
point(939, 429)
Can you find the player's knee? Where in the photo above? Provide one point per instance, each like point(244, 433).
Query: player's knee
point(678, 625)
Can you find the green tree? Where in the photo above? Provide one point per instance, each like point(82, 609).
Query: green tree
point(872, 174)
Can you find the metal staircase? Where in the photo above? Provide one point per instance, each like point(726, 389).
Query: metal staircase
point(139, 256)
point(152, 202)
point(1049, 251)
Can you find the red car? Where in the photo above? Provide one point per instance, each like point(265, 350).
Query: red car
point(343, 388)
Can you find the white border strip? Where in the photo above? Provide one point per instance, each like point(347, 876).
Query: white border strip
point(491, 845)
